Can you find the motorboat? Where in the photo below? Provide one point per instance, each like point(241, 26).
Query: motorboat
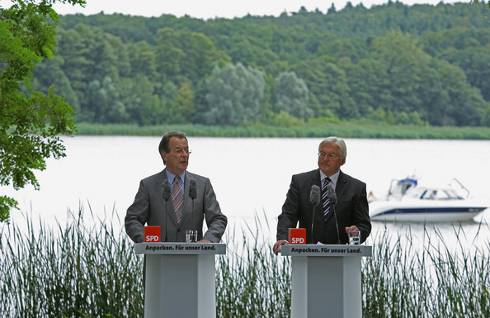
point(407, 201)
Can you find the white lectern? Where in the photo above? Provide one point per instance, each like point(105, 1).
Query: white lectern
point(180, 279)
point(326, 280)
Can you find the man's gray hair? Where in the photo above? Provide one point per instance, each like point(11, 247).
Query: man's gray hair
point(339, 142)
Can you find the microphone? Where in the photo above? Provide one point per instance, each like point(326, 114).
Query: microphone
point(315, 200)
point(192, 189)
point(166, 196)
point(332, 196)
point(315, 195)
point(193, 195)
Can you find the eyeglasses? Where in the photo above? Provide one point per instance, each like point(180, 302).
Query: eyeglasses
point(181, 151)
point(329, 155)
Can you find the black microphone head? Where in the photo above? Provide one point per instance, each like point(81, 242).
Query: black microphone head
point(331, 193)
point(166, 191)
point(315, 194)
point(192, 189)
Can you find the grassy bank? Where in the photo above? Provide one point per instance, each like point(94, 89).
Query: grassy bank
point(79, 271)
point(358, 129)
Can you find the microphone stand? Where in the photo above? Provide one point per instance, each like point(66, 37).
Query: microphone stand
point(336, 222)
point(166, 196)
point(333, 197)
point(313, 223)
point(315, 200)
point(193, 194)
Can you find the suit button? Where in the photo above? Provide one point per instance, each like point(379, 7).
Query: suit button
point(178, 230)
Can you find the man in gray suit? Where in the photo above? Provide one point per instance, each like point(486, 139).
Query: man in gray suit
point(332, 221)
point(175, 199)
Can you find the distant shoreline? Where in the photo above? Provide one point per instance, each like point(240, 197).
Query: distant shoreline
point(344, 129)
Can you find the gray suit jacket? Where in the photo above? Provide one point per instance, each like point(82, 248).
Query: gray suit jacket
point(151, 208)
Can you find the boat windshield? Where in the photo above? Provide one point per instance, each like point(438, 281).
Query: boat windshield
point(398, 188)
point(423, 193)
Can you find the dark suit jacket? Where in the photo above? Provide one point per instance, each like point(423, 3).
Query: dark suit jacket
point(351, 209)
point(150, 207)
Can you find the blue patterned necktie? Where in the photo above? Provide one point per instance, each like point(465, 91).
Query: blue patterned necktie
point(326, 202)
point(177, 198)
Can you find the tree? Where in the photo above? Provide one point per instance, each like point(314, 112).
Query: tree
point(234, 94)
point(475, 62)
point(185, 103)
point(49, 73)
point(30, 120)
point(328, 83)
point(142, 103)
point(103, 100)
point(184, 56)
point(90, 57)
point(292, 96)
point(142, 59)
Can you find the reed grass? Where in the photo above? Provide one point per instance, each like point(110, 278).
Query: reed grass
point(347, 129)
point(81, 270)
point(75, 271)
point(440, 281)
point(251, 280)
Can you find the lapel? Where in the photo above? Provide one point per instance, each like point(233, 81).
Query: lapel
point(315, 179)
point(341, 186)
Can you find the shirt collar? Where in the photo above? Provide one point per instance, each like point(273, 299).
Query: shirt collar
point(171, 177)
point(333, 177)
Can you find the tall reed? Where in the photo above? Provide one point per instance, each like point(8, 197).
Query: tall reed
point(351, 129)
point(251, 280)
point(80, 270)
point(440, 281)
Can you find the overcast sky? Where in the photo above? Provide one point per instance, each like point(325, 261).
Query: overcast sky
point(214, 8)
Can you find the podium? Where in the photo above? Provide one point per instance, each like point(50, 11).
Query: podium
point(326, 280)
point(180, 279)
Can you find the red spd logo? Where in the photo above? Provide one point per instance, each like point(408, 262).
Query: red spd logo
point(297, 236)
point(298, 240)
point(152, 234)
point(152, 238)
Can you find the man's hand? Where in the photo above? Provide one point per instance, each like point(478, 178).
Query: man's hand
point(351, 229)
point(277, 246)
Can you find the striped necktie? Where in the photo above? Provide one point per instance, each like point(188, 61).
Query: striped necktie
point(177, 198)
point(326, 203)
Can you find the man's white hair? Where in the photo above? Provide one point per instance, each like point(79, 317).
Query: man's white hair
point(339, 142)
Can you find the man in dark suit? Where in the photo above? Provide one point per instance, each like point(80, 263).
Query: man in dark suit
point(331, 221)
point(175, 199)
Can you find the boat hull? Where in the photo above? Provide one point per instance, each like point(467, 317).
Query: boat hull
point(406, 212)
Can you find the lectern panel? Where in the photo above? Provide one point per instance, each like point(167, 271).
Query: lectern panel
point(180, 279)
point(326, 280)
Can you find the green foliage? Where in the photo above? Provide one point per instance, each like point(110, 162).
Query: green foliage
point(30, 120)
point(284, 125)
point(184, 55)
point(77, 271)
point(420, 63)
point(292, 96)
point(233, 95)
point(284, 119)
point(6, 204)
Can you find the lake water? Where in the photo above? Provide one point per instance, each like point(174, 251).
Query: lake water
point(250, 176)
